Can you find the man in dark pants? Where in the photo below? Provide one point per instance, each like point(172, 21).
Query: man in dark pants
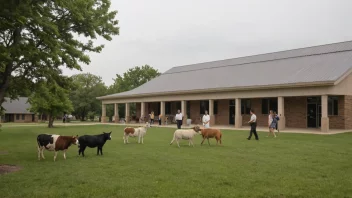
point(253, 123)
point(178, 118)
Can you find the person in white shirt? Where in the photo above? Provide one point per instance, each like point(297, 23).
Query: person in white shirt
point(253, 123)
point(206, 120)
point(179, 118)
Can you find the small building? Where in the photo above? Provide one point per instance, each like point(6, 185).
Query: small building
point(17, 111)
point(308, 87)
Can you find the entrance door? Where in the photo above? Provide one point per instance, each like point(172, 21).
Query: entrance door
point(232, 112)
point(312, 116)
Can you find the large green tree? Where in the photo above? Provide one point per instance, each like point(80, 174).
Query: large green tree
point(39, 36)
point(86, 88)
point(51, 98)
point(132, 78)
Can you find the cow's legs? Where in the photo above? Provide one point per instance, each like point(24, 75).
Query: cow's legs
point(191, 141)
point(177, 143)
point(42, 152)
point(142, 139)
point(55, 156)
point(98, 150)
point(208, 141)
point(172, 141)
point(39, 152)
point(101, 150)
point(139, 139)
point(202, 141)
point(82, 150)
point(65, 153)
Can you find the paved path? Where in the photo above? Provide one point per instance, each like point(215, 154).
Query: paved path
point(262, 129)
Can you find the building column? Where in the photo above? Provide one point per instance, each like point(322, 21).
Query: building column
point(143, 111)
point(211, 112)
point(116, 113)
point(238, 115)
point(184, 111)
point(127, 112)
point(324, 114)
point(162, 112)
point(281, 113)
point(103, 113)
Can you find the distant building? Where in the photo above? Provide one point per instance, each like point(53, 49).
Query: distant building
point(308, 87)
point(17, 111)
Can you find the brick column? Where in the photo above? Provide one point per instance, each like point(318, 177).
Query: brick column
point(281, 113)
point(184, 111)
point(238, 115)
point(103, 113)
point(162, 112)
point(116, 113)
point(127, 112)
point(211, 113)
point(324, 114)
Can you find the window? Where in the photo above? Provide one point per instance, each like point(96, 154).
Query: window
point(17, 116)
point(204, 105)
point(188, 109)
point(269, 104)
point(22, 116)
point(245, 106)
point(333, 105)
point(178, 106)
point(167, 108)
point(215, 107)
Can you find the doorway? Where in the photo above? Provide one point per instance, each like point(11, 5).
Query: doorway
point(313, 112)
point(232, 115)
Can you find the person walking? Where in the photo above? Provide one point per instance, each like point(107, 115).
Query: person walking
point(271, 119)
point(253, 123)
point(206, 120)
point(160, 119)
point(277, 123)
point(151, 117)
point(179, 118)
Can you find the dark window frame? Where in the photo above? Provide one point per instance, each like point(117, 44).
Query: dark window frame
point(23, 116)
point(269, 104)
point(17, 116)
point(204, 105)
point(167, 108)
point(246, 106)
point(215, 108)
point(333, 106)
point(188, 109)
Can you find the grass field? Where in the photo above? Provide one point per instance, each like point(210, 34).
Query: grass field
point(292, 165)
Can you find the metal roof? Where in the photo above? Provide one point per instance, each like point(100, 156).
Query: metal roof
point(19, 106)
point(324, 63)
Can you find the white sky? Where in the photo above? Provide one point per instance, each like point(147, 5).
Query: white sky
point(168, 33)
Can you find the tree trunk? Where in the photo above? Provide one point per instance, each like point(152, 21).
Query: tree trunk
point(51, 121)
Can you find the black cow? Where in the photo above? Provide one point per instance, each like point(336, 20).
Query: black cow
point(93, 141)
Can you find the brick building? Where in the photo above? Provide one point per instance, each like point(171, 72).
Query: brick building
point(17, 111)
point(308, 87)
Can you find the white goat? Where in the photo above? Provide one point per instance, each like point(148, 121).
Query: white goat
point(135, 132)
point(186, 134)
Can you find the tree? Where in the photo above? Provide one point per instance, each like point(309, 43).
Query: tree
point(86, 88)
point(51, 98)
point(39, 36)
point(131, 79)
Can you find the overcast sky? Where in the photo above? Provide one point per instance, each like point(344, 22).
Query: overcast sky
point(168, 33)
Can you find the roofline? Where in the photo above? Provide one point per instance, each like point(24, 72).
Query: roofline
point(267, 53)
point(341, 78)
point(289, 85)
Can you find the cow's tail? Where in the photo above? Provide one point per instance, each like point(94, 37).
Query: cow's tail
point(220, 137)
point(38, 142)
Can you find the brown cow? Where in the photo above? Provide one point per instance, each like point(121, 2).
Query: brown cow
point(211, 133)
point(54, 143)
point(139, 132)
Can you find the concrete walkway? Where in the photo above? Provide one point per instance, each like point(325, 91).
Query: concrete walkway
point(224, 127)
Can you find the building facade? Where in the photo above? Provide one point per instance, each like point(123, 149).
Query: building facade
point(308, 87)
point(18, 111)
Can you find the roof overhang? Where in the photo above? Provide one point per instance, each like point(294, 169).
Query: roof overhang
point(248, 88)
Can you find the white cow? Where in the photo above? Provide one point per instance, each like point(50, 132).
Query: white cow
point(186, 134)
point(139, 132)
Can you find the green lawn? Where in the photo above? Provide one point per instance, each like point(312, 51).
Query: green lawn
point(292, 165)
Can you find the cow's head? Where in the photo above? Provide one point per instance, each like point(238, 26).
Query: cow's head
point(74, 139)
point(196, 129)
point(107, 136)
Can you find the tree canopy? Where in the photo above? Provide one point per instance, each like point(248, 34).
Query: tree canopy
point(37, 37)
point(83, 96)
point(51, 98)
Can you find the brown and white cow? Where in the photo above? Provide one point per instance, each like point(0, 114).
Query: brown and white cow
point(139, 132)
point(54, 143)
